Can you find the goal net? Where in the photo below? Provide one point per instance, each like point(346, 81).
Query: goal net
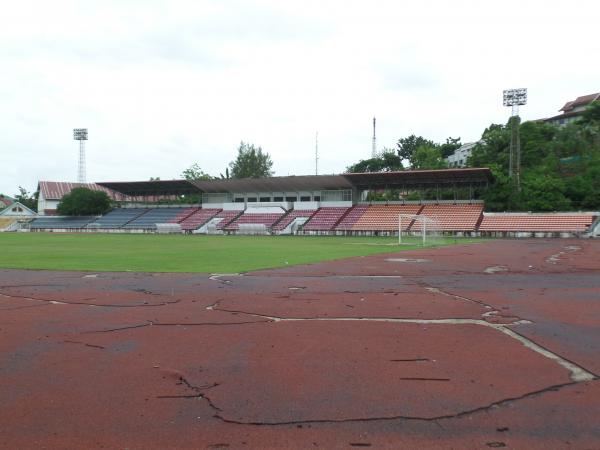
point(419, 229)
point(168, 228)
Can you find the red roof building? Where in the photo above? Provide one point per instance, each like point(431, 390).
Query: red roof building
point(573, 110)
point(51, 192)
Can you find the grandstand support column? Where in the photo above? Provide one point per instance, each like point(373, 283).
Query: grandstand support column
point(354, 195)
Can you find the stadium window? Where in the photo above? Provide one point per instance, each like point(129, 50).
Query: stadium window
point(305, 198)
point(277, 199)
point(251, 200)
point(265, 199)
point(239, 200)
point(291, 199)
point(317, 198)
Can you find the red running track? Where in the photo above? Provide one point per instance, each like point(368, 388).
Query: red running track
point(473, 346)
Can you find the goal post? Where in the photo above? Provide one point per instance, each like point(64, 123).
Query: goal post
point(426, 227)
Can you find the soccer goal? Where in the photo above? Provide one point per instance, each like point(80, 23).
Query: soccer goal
point(412, 226)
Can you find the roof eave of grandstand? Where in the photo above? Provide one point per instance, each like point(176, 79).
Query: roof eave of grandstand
point(274, 184)
point(304, 182)
point(155, 187)
point(476, 175)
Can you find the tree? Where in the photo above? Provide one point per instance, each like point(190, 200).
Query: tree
point(226, 176)
point(27, 199)
point(493, 148)
point(428, 157)
point(591, 114)
point(450, 146)
point(251, 162)
point(408, 145)
point(387, 161)
point(544, 193)
point(195, 173)
point(536, 139)
point(84, 202)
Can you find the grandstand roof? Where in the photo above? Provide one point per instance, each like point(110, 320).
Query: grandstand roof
point(55, 190)
point(418, 178)
point(407, 178)
point(155, 187)
point(289, 183)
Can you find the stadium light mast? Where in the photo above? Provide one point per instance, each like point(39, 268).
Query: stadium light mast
point(374, 143)
point(81, 135)
point(317, 153)
point(515, 98)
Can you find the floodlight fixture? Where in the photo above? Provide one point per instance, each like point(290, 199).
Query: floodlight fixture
point(80, 134)
point(515, 98)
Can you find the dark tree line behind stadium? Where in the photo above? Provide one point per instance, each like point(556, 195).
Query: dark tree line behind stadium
point(560, 165)
point(250, 162)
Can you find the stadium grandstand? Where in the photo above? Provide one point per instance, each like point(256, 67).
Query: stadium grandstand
point(319, 204)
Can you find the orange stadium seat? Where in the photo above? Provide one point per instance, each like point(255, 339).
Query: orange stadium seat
point(384, 217)
point(536, 222)
point(454, 217)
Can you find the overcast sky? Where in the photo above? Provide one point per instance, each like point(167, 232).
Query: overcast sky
point(163, 84)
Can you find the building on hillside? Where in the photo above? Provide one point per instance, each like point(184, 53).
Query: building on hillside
point(460, 155)
point(573, 110)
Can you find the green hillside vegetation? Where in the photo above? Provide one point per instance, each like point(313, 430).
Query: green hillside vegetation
point(560, 166)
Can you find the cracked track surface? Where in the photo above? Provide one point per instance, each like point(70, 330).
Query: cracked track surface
point(355, 353)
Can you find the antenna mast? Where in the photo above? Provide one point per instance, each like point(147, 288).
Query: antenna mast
point(374, 145)
point(317, 153)
point(81, 135)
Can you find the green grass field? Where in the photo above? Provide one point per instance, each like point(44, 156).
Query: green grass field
point(178, 253)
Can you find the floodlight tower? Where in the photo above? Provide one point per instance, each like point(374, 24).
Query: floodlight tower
point(317, 153)
point(374, 144)
point(515, 98)
point(81, 135)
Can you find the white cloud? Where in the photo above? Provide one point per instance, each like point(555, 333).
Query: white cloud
point(164, 84)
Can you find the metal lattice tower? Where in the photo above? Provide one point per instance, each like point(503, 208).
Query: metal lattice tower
point(374, 144)
point(81, 135)
point(317, 153)
point(514, 98)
